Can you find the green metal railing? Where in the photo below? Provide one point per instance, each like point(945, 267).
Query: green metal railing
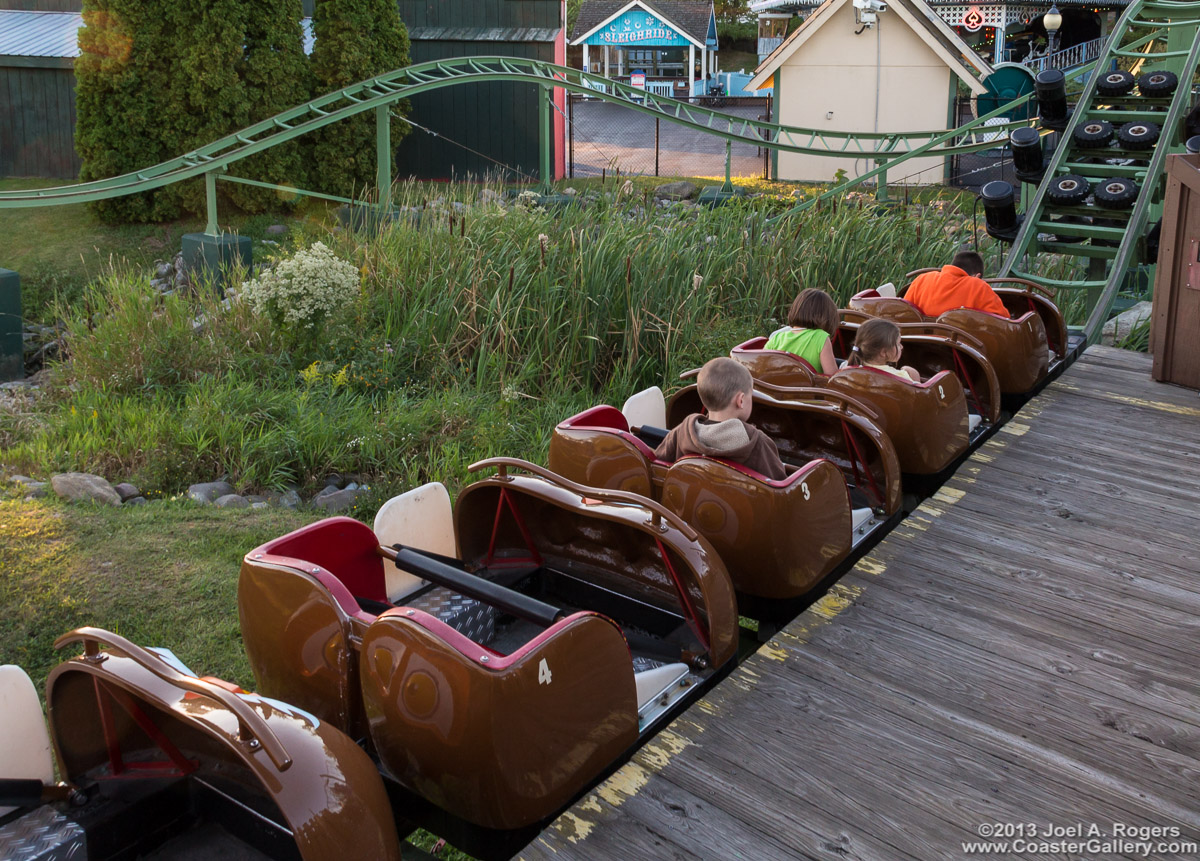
point(381, 93)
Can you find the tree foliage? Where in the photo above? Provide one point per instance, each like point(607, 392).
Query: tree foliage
point(343, 154)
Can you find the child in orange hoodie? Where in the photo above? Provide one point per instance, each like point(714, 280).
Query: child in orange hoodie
point(958, 285)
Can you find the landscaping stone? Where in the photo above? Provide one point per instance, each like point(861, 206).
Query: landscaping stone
point(137, 500)
point(259, 505)
point(338, 500)
point(36, 490)
point(681, 190)
point(126, 491)
point(489, 196)
point(276, 230)
point(163, 270)
point(326, 491)
point(1121, 325)
point(352, 486)
point(290, 499)
point(24, 479)
point(208, 491)
point(334, 480)
point(255, 498)
point(82, 486)
point(232, 500)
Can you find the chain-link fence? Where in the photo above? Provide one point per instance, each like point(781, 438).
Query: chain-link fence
point(977, 169)
point(604, 138)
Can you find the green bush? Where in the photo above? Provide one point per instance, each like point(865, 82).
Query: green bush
point(343, 154)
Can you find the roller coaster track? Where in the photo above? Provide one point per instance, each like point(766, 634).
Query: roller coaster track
point(1163, 36)
point(381, 93)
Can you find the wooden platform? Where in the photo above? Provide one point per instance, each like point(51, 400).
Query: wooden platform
point(1025, 648)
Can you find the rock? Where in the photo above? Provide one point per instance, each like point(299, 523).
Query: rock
point(208, 491)
point(255, 497)
point(37, 490)
point(24, 479)
point(489, 196)
point(270, 242)
point(126, 491)
point(137, 500)
point(681, 190)
point(276, 230)
point(163, 270)
point(1119, 327)
point(162, 285)
point(334, 480)
point(259, 505)
point(231, 500)
point(326, 491)
point(79, 486)
point(290, 499)
point(352, 486)
point(338, 500)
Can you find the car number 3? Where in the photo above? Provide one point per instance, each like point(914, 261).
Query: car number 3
point(543, 673)
point(804, 490)
point(941, 393)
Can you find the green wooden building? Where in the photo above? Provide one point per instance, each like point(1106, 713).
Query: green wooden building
point(462, 131)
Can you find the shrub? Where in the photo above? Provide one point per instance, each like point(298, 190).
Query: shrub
point(343, 154)
point(304, 290)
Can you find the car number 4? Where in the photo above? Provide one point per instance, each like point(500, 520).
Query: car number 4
point(543, 673)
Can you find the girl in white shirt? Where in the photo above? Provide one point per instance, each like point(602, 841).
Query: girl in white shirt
point(878, 346)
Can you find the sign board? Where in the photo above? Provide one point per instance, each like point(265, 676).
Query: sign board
point(637, 79)
point(637, 27)
point(972, 20)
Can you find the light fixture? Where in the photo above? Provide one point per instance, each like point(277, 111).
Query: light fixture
point(1052, 21)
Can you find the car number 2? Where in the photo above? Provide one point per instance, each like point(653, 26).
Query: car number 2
point(543, 673)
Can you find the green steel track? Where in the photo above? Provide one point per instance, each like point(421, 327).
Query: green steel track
point(1106, 244)
point(381, 93)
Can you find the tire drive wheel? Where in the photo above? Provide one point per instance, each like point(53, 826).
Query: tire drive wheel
point(1138, 135)
point(1115, 84)
point(1069, 190)
point(1116, 193)
point(1157, 83)
point(1093, 134)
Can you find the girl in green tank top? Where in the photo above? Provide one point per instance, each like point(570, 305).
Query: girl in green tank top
point(812, 320)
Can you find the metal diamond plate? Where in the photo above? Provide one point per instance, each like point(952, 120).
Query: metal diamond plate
point(43, 834)
point(465, 615)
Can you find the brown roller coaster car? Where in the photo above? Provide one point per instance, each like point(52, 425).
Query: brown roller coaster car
point(156, 759)
point(499, 657)
point(1018, 347)
point(928, 423)
point(779, 538)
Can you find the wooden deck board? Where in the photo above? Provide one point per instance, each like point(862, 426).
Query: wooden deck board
point(1021, 649)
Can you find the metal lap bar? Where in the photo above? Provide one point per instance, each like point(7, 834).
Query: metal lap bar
point(534, 557)
point(966, 378)
point(179, 765)
point(855, 455)
point(689, 611)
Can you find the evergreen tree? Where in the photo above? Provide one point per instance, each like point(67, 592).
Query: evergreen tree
point(276, 77)
point(123, 100)
point(355, 40)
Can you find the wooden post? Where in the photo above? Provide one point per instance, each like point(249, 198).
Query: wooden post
point(691, 70)
point(585, 57)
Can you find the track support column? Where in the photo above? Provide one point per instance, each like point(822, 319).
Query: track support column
point(210, 198)
point(383, 155)
point(546, 139)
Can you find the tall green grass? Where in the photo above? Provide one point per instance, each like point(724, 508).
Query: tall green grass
point(478, 328)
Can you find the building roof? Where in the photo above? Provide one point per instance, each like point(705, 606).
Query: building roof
point(926, 23)
point(1041, 5)
point(56, 34)
point(39, 34)
point(483, 34)
point(689, 18)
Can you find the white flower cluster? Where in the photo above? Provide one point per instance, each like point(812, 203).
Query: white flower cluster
point(304, 289)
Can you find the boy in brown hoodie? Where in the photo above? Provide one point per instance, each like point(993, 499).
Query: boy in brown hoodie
point(726, 391)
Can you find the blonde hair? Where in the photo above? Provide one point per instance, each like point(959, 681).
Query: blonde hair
point(813, 309)
point(874, 336)
point(720, 381)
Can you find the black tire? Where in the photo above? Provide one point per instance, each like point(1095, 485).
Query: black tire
point(1157, 83)
point(1115, 84)
point(1093, 134)
point(1137, 135)
point(1069, 190)
point(1116, 193)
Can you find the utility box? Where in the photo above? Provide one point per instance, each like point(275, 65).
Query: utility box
point(12, 344)
point(1175, 326)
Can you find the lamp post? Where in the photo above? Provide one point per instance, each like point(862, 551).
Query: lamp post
point(1052, 21)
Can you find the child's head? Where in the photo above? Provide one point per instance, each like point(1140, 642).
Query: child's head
point(877, 339)
point(813, 309)
point(725, 385)
point(970, 262)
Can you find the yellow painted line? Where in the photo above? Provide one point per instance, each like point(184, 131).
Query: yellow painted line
point(623, 785)
point(1015, 428)
point(572, 828)
point(835, 601)
point(982, 456)
point(1155, 405)
point(949, 495)
point(871, 565)
point(772, 652)
point(659, 752)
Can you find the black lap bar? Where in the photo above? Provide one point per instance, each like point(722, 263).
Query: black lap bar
point(493, 594)
point(15, 792)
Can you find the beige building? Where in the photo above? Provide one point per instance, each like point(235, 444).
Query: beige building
point(853, 66)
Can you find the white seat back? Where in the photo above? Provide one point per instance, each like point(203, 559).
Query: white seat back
point(648, 407)
point(25, 753)
point(422, 518)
